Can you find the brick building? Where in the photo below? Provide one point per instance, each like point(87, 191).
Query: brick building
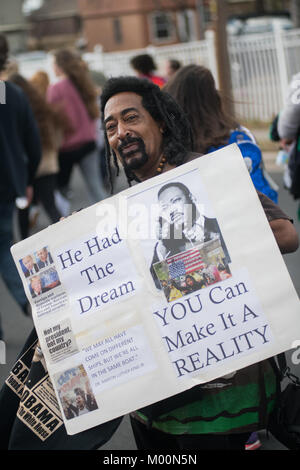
point(135, 24)
point(56, 24)
point(132, 24)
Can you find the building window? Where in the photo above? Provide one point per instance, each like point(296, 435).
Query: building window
point(118, 36)
point(162, 27)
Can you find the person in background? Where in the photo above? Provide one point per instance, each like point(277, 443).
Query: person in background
point(99, 80)
point(78, 97)
point(194, 89)
point(145, 67)
point(40, 81)
point(288, 127)
point(172, 66)
point(11, 67)
point(53, 125)
point(20, 154)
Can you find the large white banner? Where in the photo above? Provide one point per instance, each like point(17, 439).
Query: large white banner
point(174, 282)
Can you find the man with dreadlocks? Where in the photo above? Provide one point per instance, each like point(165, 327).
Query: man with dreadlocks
point(162, 136)
point(148, 133)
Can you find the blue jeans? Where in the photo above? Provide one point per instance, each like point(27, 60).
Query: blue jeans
point(8, 269)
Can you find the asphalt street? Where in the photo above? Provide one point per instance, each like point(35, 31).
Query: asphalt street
point(16, 326)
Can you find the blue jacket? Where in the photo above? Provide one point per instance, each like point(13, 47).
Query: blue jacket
point(254, 161)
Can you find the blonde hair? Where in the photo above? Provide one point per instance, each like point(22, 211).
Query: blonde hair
point(40, 81)
point(48, 117)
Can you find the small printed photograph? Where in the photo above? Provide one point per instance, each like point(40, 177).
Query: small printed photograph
point(75, 392)
point(32, 263)
point(29, 265)
point(43, 257)
point(192, 270)
point(43, 282)
point(50, 278)
point(36, 286)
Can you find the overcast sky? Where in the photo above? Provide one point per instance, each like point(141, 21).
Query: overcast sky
point(30, 5)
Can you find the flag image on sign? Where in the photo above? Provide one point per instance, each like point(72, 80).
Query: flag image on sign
point(184, 263)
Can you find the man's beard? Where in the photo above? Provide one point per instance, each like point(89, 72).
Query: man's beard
point(136, 158)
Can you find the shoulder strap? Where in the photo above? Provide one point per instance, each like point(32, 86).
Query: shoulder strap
point(281, 359)
point(279, 366)
point(282, 370)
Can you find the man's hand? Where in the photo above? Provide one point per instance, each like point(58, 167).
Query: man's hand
point(161, 250)
point(286, 143)
point(285, 235)
point(29, 195)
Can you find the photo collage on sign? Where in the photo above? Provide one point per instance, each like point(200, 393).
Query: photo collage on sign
point(39, 269)
point(193, 269)
point(189, 252)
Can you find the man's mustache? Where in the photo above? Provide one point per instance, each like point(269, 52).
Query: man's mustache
point(130, 140)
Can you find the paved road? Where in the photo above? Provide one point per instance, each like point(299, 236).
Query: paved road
point(17, 326)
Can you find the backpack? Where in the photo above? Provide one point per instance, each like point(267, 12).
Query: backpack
point(254, 162)
point(284, 421)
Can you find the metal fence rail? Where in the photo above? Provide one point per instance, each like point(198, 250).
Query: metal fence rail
point(261, 67)
point(255, 76)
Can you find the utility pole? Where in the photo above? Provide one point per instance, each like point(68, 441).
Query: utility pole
point(295, 12)
point(224, 74)
point(200, 18)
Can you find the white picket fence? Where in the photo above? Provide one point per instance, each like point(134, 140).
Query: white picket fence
point(261, 66)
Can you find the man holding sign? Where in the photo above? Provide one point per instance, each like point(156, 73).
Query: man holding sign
point(147, 132)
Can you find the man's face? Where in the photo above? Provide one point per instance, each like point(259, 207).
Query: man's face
point(42, 254)
point(169, 70)
point(28, 262)
point(189, 281)
point(36, 284)
point(132, 132)
point(80, 401)
point(174, 205)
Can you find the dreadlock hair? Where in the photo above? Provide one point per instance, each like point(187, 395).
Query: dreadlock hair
point(177, 136)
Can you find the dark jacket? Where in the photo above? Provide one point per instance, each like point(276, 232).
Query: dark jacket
point(20, 146)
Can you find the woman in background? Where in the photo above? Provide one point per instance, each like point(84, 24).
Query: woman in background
point(194, 89)
point(77, 95)
point(40, 81)
point(52, 125)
